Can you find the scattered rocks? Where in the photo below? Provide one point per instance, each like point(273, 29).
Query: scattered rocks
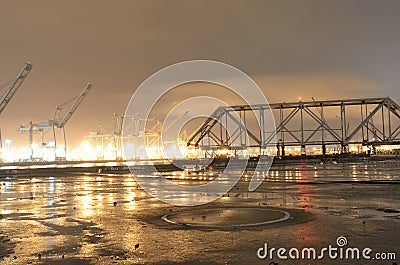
point(117, 257)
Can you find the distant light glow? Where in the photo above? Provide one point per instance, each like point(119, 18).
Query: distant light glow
point(88, 150)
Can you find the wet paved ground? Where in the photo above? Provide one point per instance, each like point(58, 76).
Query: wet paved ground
point(108, 219)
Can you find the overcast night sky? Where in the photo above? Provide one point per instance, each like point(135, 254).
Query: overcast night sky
point(321, 49)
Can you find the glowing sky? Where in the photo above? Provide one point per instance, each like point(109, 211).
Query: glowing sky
point(321, 49)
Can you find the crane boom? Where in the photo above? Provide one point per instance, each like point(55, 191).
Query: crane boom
point(175, 121)
point(15, 85)
point(74, 106)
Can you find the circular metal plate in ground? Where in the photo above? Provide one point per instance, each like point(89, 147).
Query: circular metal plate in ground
point(227, 217)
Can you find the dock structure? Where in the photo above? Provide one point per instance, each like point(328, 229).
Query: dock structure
point(369, 122)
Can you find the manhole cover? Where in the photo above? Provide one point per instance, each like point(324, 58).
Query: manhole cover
point(227, 217)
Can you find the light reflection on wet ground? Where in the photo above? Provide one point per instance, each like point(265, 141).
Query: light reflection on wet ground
point(104, 219)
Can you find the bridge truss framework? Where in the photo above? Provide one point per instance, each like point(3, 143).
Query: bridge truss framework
point(369, 122)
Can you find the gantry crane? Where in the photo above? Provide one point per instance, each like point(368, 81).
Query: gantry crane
point(63, 121)
point(13, 88)
point(161, 130)
point(57, 123)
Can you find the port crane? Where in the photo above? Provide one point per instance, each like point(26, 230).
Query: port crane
point(161, 130)
point(13, 88)
point(149, 130)
point(58, 122)
point(112, 132)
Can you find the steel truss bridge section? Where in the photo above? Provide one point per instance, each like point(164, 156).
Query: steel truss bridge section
point(368, 121)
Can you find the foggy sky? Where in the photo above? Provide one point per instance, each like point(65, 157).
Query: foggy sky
point(321, 49)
